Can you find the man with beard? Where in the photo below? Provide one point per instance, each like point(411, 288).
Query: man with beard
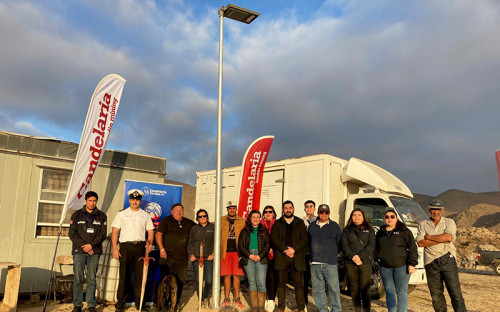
point(289, 238)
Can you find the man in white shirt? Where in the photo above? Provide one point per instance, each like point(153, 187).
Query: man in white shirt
point(437, 236)
point(132, 223)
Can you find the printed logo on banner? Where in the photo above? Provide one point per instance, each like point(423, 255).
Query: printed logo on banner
point(157, 199)
point(154, 210)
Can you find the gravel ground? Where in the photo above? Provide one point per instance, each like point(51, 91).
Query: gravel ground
point(480, 289)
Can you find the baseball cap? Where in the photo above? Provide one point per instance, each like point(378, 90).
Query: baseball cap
point(323, 208)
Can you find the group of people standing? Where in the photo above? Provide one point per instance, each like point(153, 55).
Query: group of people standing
point(270, 250)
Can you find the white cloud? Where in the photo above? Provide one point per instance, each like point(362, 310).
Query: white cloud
point(407, 86)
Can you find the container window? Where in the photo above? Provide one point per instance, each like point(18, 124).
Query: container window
point(52, 194)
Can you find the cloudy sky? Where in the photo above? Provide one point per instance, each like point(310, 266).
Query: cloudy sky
point(410, 86)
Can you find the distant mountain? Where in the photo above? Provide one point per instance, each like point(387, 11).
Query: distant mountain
point(456, 200)
point(480, 215)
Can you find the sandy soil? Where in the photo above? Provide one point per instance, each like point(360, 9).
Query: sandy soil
point(480, 289)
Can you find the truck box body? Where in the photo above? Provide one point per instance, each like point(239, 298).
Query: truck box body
point(314, 177)
point(325, 179)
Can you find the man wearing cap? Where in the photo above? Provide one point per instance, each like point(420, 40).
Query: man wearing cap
point(289, 238)
point(437, 236)
point(324, 236)
point(310, 217)
point(87, 231)
point(132, 223)
point(231, 226)
point(172, 239)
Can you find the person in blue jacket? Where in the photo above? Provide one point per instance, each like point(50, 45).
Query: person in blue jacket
point(324, 238)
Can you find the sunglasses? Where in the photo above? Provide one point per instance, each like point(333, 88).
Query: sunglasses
point(202, 216)
point(390, 216)
point(325, 212)
point(268, 211)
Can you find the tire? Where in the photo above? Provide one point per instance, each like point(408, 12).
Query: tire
point(496, 267)
point(411, 288)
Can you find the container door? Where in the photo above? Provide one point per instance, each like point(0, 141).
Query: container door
point(272, 189)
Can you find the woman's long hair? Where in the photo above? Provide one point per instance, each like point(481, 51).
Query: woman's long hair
point(364, 226)
point(399, 225)
point(249, 219)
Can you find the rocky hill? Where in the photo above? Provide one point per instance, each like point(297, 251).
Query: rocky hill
point(480, 215)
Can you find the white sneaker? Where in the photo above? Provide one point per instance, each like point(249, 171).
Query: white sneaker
point(270, 306)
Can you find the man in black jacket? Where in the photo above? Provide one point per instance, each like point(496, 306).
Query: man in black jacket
point(87, 231)
point(289, 240)
point(172, 239)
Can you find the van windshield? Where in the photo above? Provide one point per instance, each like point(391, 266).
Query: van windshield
point(410, 212)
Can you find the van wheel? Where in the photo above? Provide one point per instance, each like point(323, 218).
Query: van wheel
point(411, 288)
point(496, 268)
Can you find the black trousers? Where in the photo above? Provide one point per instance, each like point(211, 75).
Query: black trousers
point(271, 281)
point(177, 268)
point(298, 284)
point(307, 277)
point(444, 270)
point(130, 265)
point(360, 279)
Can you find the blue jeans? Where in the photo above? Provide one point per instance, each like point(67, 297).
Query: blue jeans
point(320, 274)
point(396, 282)
point(80, 261)
point(207, 277)
point(256, 274)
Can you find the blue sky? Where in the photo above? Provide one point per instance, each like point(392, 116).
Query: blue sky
point(410, 86)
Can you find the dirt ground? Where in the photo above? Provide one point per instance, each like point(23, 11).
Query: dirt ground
point(480, 289)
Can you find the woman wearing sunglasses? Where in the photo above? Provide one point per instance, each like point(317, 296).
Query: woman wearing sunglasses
point(253, 246)
point(396, 253)
point(268, 218)
point(203, 232)
point(358, 246)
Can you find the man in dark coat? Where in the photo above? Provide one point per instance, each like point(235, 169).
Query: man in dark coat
point(289, 240)
point(172, 239)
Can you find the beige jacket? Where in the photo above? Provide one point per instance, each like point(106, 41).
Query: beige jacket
point(239, 224)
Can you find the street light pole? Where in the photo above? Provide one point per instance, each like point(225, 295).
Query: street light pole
point(218, 179)
point(244, 16)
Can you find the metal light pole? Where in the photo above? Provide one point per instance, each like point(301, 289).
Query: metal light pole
point(244, 16)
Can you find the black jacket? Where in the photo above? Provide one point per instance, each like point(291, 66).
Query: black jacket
point(300, 242)
point(263, 241)
point(358, 242)
point(175, 237)
point(201, 234)
point(80, 221)
point(396, 248)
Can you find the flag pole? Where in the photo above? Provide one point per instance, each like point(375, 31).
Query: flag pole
point(104, 80)
point(65, 207)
